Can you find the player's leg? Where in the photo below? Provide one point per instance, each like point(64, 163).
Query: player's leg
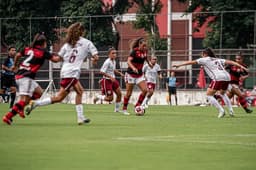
point(210, 93)
point(150, 89)
point(174, 92)
point(143, 87)
point(12, 95)
point(241, 99)
point(79, 106)
point(170, 95)
point(117, 90)
point(224, 85)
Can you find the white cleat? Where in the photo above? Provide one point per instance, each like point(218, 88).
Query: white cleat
point(221, 114)
point(116, 110)
point(145, 106)
point(31, 106)
point(231, 113)
point(126, 113)
point(81, 121)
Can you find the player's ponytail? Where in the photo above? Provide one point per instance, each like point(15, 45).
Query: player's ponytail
point(75, 31)
point(39, 40)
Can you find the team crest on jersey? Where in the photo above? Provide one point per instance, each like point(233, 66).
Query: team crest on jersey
point(109, 92)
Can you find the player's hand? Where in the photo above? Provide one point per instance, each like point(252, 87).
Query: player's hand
point(95, 59)
point(135, 70)
point(175, 66)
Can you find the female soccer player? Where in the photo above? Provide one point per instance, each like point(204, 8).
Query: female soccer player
point(35, 55)
point(108, 82)
point(214, 67)
point(134, 74)
point(151, 73)
point(238, 76)
point(73, 53)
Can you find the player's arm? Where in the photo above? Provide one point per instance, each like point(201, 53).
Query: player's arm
point(129, 62)
point(118, 72)
point(185, 63)
point(230, 62)
point(56, 58)
point(4, 67)
point(160, 74)
point(95, 59)
point(16, 59)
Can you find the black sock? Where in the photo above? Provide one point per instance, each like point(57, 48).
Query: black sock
point(13, 96)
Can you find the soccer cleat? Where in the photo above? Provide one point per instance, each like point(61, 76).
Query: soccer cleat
point(221, 114)
point(145, 106)
point(126, 113)
point(30, 107)
point(83, 121)
point(7, 120)
point(95, 100)
point(21, 114)
point(248, 110)
point(231, 113)
point(116, 110)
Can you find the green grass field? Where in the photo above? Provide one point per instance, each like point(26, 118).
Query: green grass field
point(177, 138)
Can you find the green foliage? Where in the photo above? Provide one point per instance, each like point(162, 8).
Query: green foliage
point(237, 28)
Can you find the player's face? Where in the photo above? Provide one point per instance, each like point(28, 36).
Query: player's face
point(143, 46)
point(112, 54)
point(239, 59)
point(12, 52)
point(153, 60)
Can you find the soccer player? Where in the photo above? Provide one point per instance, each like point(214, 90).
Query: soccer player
point(108, 82)
point(8, 77)
point(73, 53)
point(171, 87)
point(35, 55)
point(214, 67)
point(238, 75)
point(151, 73)
point(134, 74)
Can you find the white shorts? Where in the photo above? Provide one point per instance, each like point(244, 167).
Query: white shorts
point(26, 86)
point(133, 80)
point(231, 86)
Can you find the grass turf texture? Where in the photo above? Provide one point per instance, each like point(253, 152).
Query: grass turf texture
point(178, 137)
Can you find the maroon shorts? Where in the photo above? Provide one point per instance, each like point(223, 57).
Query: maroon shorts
point(151, 86)
point(219, 85)
point(67, 83)
point(107, 86)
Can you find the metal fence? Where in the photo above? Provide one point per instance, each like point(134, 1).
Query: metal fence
point(90, 76)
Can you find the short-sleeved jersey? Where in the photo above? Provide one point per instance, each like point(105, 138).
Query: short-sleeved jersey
point(109, 67)
point(214, 67)
point(151, 73)
point(34, 59)
point(138, 59)
point(73, 57)
point(171, 81)
point(236, 72)
point(8, 62)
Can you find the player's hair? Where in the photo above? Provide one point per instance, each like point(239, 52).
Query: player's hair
point(39, 39)
point(135, 43)
point(75, 31)
point(209, 52)
point(10, 47)
point(110, 49)
point(240, 54)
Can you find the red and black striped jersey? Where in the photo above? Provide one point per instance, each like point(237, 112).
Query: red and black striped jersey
point(138, 59)
point(236, 72)
point(34, 59)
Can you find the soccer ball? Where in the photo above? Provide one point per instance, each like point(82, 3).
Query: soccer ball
point(139, 110)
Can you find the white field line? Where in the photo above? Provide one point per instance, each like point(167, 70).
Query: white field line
point(192, 139)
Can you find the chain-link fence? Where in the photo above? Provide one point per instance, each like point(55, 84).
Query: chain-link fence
point(184, 43)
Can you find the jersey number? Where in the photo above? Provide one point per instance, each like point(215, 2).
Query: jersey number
point(25, 63)
point(72, 57)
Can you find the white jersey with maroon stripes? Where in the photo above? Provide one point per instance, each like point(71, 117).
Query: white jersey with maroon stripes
point(151, 73)
point(73, 57)
point(214, 67)
point(109, 67)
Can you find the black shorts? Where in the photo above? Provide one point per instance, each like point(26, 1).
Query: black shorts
point(171, 90)
point(7, 81)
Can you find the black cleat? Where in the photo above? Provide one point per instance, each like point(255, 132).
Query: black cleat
point(248, 110)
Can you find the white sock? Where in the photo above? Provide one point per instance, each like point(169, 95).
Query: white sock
point(43, 102)
point(102, 97)
point(117, 105)
point(227, 102)
point(147, 99)
point(215, 103)
point(80, 111)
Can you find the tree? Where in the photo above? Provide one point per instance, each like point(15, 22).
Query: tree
point(146, 20)
point(15, 30)
point(237, 28)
